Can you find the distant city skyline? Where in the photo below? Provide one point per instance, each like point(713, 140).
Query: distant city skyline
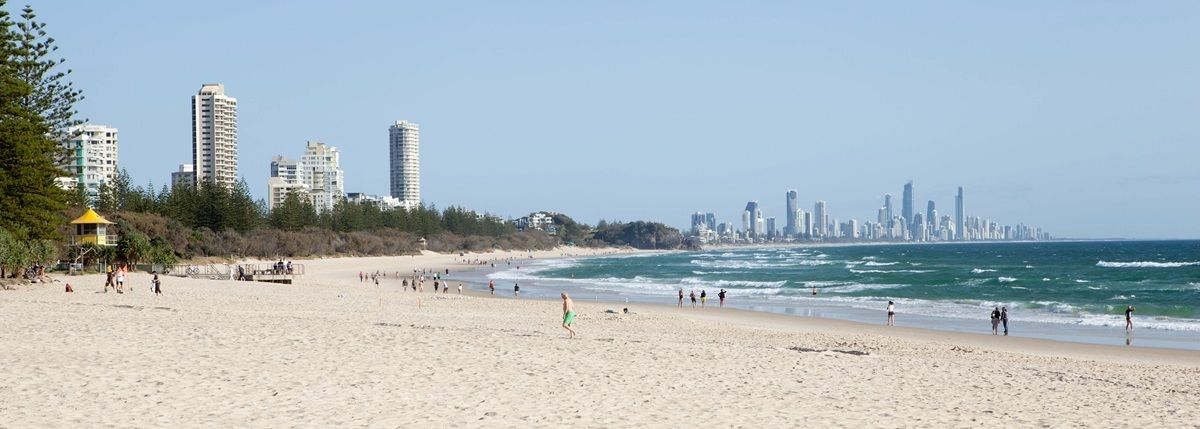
point(822, 225)
point(1089, 109)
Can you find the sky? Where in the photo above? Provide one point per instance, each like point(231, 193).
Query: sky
point(1082, 117)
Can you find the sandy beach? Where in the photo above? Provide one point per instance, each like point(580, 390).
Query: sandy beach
point(330, 351)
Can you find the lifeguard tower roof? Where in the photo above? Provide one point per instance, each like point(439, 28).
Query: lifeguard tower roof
point(91, 217)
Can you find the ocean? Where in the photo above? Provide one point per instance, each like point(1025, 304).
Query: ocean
point(1073, 291)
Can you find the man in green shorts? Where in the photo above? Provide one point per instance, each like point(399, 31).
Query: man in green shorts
point(568, 314)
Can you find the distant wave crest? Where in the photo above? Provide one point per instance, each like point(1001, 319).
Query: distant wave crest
point(1146, 264)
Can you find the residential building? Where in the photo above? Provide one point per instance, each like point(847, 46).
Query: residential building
point(320, 169)
point(404, 145)
point(214, 136)
point(91, 160)
point(185, 176)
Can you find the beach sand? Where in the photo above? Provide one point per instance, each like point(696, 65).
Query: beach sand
point(332, 352)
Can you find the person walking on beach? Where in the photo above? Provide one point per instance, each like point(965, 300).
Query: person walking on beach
point(121, 280)
point(516, 290)
point(157, 285)
point(568, 314)
point(721, 295)
point(1004, 319)
point(703, 297)
point(680, 297)
point(492, 286)
point(1129, 318)
point(460, 288)
point(693, 298)
point(891, 310)
point(995, 320)
point(108, 281)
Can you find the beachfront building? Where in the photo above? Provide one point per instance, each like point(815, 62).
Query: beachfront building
point(317, 176)
point(404, 145)
point(185, 176)
point(791, 223)
point(278, 190)
point(285, 179)
point(906, 206)
point(537, 220)
point(320, 169)
point(214, 136)
point(959, 216)
point(383, 202)
point(92, 158)
point(820, 219)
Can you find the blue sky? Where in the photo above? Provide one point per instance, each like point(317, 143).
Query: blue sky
point(1078, 116)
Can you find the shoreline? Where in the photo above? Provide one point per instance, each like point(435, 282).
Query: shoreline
point(1049, 331)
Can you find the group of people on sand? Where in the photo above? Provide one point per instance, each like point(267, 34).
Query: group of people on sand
point(115, 279)
point(703, 297)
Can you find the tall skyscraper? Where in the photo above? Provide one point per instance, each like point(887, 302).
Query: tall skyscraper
point(91, 160)
point(789, 228)
point(698, 223)
point(710, 220)
point(770, 227)
point(959, 216)
point(755, 227)
point(931, 216)
point(819, 219)
point(214, 136)
point(887, 210)
point(747, 223)
point(321, 170)
point(404, 144)
point(906, 206)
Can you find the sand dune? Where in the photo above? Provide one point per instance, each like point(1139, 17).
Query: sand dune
point(332, 352)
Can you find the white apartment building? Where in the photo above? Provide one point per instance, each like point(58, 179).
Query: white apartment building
point(185, 176)
point(278, 190)
point(92, 158)
point(214, 136)
point(404, 143)
point(321, 170)
point(318, 176)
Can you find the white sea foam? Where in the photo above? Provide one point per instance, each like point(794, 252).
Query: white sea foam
point(1045, 279)
point(812, 284)
point(855, 287)
point(1018, 287)
point(1082, 281)
point(879, 264)
point(889, 271)
point(732, 283)
point(1095, 287)
point(1146, 264)
point(868, 258)
point(982, 270)
point(1006, 279)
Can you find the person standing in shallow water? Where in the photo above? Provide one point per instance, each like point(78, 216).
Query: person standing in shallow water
point(680, 297)
point(1129, 318)
point(721, 295)
point(703, 297)
point(693, 298)
point(891, 310)
point(568, 314)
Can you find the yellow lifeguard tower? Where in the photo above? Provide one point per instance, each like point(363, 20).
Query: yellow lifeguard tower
point(91, 228)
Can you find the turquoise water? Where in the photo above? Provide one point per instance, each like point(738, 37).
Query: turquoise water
point(1074, 283)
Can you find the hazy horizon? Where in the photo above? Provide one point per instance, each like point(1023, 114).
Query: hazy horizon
point(1077, 117)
